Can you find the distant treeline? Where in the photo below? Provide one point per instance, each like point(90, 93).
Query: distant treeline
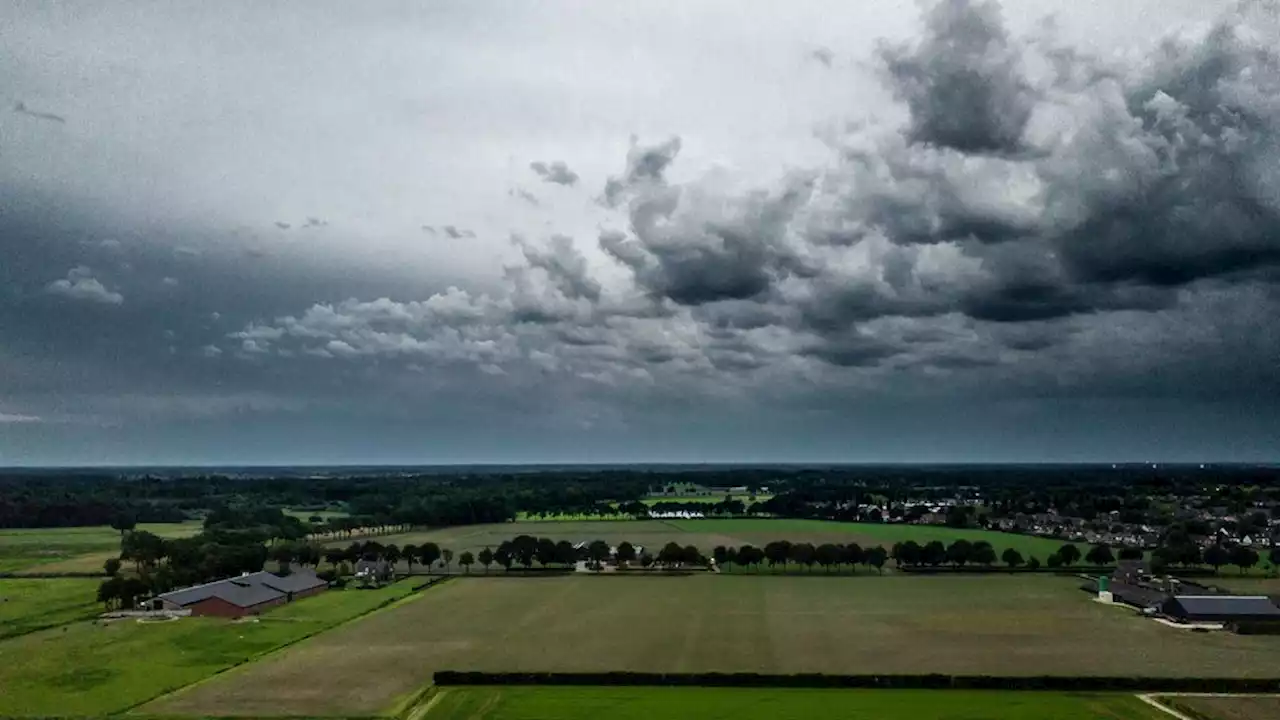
point(1058, 683)
point(437, 498)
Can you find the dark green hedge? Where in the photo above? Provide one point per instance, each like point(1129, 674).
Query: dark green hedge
point(927, 682)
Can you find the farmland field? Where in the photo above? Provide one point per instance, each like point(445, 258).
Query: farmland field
point(1004, 625)
point(78, 549)
point(1246, 585)
point(35, 604)
point(1227, 708)
point(95, 668)
point(707, 534)
point(582, 703)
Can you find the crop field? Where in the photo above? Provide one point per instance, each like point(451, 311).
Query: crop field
point(1004, 625)
point(1227, 708)
point(35, 604)
point(707, 534)
point(94, 668)
point(583, 703)
point(78, 549)
point(1246, 585)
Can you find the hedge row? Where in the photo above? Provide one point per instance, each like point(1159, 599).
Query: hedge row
point(1004, 570)
point(1062, 683)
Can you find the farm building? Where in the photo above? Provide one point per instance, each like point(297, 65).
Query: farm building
point(1220, 608)
point(248, 594)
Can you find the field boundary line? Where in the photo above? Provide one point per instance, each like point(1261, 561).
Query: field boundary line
point(1154, 702)
point(388, 604)
point(420, 709)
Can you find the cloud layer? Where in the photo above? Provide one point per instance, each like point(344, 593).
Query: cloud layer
point(967, 235)
point(1034, 201)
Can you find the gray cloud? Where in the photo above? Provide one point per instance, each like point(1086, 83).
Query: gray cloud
point(456, 233)
point(963, 81)
point(80, 284)
point(556, 172)
point(524, 195)
point(22, 109)
point(824, 56)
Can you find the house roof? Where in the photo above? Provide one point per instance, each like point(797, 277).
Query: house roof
point(293, 582)
point(245, 590)
point(1228, 605)
point(1136, 595)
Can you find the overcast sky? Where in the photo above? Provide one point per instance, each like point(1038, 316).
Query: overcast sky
point(334, 232)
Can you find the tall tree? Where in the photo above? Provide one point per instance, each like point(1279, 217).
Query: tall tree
point(689, 555)
point(1131, 553)
point(1011, 557)
point(626, 553)
point(778, 552)
point(1243, 557)
point(446, 556)
point(545, 553)
point(1099, 554)
point(934, 553)
point(983, 554)
point(465, 560)
point(1069, 554)
point(112, 566)
point(876, 558)
point(1216, 556)
point(486, 558)
point(803, 554)
point(750, 556)
point(671, 554)
point(333, 556)
point(124, 522)
point(411, 555)
point(565, 554)
point(598, 551)
point(959, 552)
point(430, 553)
point(827, 555)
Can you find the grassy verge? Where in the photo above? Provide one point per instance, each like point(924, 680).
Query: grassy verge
point(574, 703)
point(96, 668)
point(28, 606)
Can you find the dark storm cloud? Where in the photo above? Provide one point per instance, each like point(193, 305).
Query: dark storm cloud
point(962, 82)
point(556, 172)
point(282, 225)
point(1098, 229)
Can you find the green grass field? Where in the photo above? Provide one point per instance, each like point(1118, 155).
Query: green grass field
point(1000, 625)
point(583, 703)
point(96, 668)
point(79, 549)
point(759, 532)
point(30, 605)
point(707, 534)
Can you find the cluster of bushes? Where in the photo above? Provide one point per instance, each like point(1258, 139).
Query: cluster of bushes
point(1061, 683)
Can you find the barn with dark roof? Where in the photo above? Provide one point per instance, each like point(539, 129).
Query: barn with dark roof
point(1220, 608)
point(248, 594)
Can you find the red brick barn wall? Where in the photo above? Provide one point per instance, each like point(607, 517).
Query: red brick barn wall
point(308, 593)
point(217, 607)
